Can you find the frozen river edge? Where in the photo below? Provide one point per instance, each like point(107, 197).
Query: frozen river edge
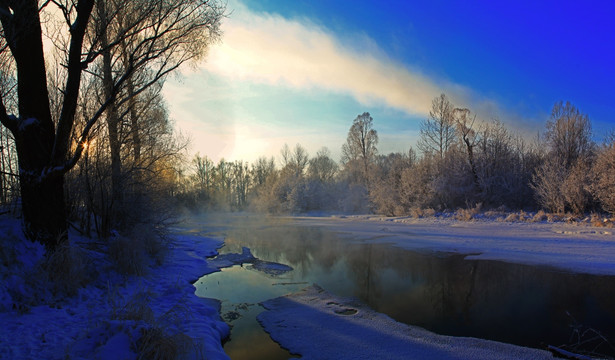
point(569, 247)
point(318, 325)
point(80, 326)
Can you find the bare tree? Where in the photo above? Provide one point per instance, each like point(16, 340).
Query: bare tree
point(465, 129)
point(603, 182)
point(547, 183)
point(359, 152)
point(295, 161)
point(262, 169)
point(559, 182)
point(203, 177)
point(322, 168)
point(576, 187)
point(437, 132)
point(569, 134)
point(157, 31)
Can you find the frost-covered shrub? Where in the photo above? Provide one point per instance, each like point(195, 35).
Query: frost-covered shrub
point(153, 240)
point(135, 307)
point(517, 217)
point(454, 185)
point(468, 214)
point(539, 216)
point(547, 184)
point(156, 344)
point(417, 212)
point(133, 251)
point(355, 199)
point(128, 255)
point(603, 185)
point(153, 337)
point(67, 268)
point(576, 187)
point(416, 188)
point(385, 199)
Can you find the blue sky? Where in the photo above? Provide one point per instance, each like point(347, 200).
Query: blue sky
point(301, 71)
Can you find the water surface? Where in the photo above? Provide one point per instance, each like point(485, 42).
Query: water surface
point(445, 293)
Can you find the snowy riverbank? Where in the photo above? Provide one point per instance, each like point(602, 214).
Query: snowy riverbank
point(572, 247)
point(319, 325)
point(114, 314)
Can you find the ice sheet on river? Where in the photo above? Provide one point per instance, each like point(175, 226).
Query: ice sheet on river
point(318, 325)
point(246, 257)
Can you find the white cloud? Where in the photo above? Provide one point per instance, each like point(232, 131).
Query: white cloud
point(262, 48)
point(270, 49)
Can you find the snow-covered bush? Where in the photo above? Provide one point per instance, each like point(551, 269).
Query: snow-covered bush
point(540, 216)
point(547, 183)
point(128, 255)
point(354, 200)
point(67, 268)
point(133, 251)
point(468, 214)
point(603, 185)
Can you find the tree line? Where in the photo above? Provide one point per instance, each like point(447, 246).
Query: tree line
point(460, 162)
point(85, 137)
point(86, 140)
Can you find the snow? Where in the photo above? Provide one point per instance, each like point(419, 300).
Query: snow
point(25, 124)
point(570, 247)
point(97, 322)
point(317, 325)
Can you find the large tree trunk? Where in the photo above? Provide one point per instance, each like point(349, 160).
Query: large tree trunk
point(44, 213)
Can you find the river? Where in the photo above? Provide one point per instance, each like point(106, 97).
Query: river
point(443, 292)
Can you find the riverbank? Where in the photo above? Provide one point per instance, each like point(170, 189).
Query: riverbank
point(119, 316)
point(111, 316)
point(318, 325)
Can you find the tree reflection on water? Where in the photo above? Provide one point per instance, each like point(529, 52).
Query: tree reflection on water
point(442, 292)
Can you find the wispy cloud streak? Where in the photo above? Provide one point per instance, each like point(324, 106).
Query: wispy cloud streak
point(271, 49)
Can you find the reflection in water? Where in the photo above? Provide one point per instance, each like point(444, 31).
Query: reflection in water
point(525, 305)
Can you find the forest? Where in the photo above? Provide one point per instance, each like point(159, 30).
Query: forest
point(460, 162)
point(87, 142)
point(94, 175)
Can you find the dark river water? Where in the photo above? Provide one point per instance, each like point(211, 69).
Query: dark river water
point(444, 293)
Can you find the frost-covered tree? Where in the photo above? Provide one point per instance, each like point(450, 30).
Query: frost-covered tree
point(603, 182)
point(501, 168)
point(203, 176)
point(437, 133)
point(469, 138)
point(360, 150)
point(558, 182)
point(322, 168)
point(262, 169)
point(387, 194)
point(568, 134)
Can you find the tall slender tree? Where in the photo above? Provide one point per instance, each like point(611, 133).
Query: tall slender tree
point(437, 133)
point(360, 149)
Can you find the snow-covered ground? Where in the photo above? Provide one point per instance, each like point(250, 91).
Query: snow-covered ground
point(107, 318)
point(111, 314)
point(318, 325)
point(573, 247)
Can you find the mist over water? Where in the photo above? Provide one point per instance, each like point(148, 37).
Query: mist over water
point(442, 292)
